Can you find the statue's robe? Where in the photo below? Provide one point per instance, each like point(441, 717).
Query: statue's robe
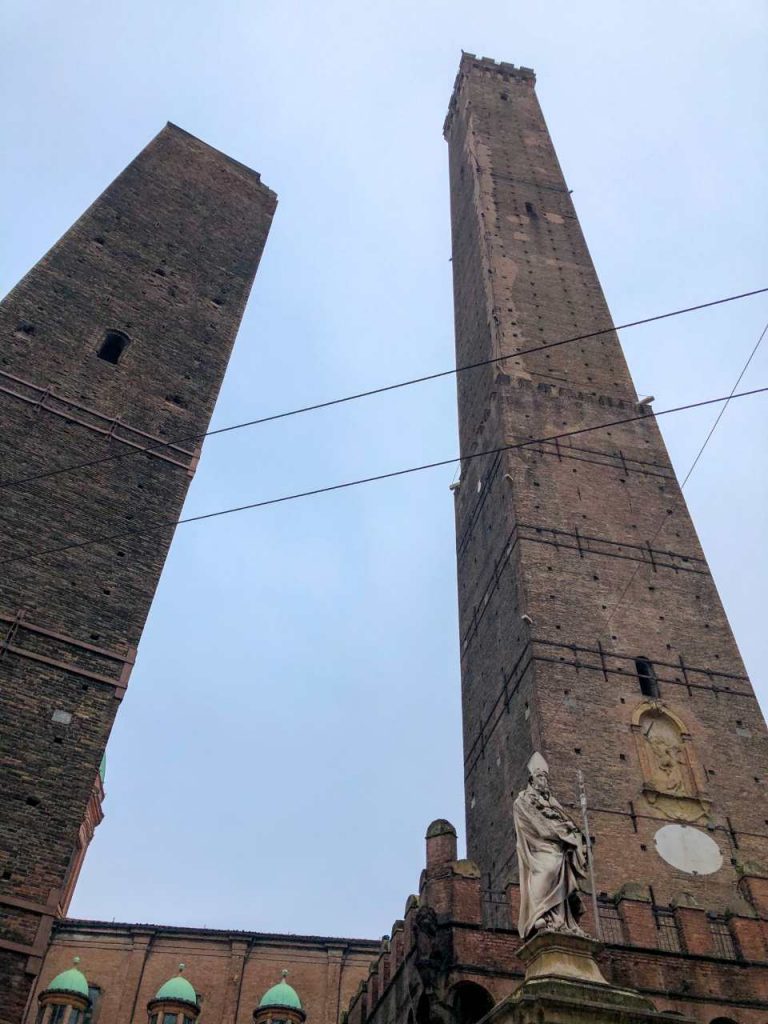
point(552, 860)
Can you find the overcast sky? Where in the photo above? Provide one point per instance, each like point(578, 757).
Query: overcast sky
point(292, 724)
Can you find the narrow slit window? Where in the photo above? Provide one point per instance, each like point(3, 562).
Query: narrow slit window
point(649, 685)
point(113, 346)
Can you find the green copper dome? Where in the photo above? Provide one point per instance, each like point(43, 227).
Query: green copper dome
point(178, 988)
point(72, 980)
point(281, 994)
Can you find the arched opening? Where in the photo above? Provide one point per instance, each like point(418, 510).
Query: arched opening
point(113, 346)
point(471, 1002)
point(422, 1010)
point(646, 676)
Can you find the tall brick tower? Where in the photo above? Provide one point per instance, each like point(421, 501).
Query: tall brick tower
point(117, 340)
point(591, 628)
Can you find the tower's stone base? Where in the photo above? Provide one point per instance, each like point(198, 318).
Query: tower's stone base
point(564, 985)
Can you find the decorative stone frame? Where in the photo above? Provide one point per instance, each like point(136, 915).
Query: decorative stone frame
point(690, 806)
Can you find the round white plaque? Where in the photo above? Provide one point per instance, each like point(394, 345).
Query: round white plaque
point(688, 849)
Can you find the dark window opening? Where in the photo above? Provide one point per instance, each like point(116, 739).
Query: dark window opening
point(471, 1002)
point(646, 675)
point(92, 1013)
point(530, 210)
point(25, 328)
point(422, 1010)
point(113, 346)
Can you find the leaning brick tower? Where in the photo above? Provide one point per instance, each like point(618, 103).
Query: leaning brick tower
point(591, 627)
point(115, 342)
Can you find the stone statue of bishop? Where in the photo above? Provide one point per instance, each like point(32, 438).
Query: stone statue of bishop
point(551, 856)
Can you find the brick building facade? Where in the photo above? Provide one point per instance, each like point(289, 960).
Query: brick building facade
point(591, 631)
point(116, 340)
point(454, 954)
point(127, 963)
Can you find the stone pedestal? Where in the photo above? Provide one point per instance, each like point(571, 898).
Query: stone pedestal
point(564, 985)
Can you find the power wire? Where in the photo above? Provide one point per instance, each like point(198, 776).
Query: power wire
point(719, 416)
point(693, 465)
point(375, 391)
point(667, 516)
point(173, 523)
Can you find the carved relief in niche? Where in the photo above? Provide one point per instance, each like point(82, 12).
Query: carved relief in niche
point(673, 782)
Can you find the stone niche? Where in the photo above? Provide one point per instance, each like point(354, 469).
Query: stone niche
point(674, 784)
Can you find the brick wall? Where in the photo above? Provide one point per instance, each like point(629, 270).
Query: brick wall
point(688, 972)
point(549, 537)
point(166, 257)
point(231, 971)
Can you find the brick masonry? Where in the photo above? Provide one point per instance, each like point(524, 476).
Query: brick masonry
point(554, 532)
point(454, 954)
point(230, 970)
point(550, 536)
point(165, 259)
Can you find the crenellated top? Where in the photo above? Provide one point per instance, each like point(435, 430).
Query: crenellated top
point(469, 63)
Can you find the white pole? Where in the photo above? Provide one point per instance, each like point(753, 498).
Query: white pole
point(585, 820)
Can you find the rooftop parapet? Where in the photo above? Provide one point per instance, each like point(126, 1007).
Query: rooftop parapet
point(469, 62)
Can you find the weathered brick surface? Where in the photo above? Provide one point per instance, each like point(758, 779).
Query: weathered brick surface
point(167, 256)
point(456, 947)
point(231, 971)
point(555, 532)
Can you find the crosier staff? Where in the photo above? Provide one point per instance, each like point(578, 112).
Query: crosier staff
point(590, 862)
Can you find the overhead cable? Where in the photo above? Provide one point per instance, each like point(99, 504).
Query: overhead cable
point(173, 523)
point(373, 391)
point(693, 465)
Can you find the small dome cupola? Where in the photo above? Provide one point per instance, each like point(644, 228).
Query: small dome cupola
point(280, 1005)
point(175, 1002)
point(66, 998)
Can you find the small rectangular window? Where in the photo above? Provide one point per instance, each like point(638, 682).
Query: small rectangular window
point(113, 346)
point(91, 1015)
point(646, 676)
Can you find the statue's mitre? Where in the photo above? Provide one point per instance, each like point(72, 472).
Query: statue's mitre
point(537, 764)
